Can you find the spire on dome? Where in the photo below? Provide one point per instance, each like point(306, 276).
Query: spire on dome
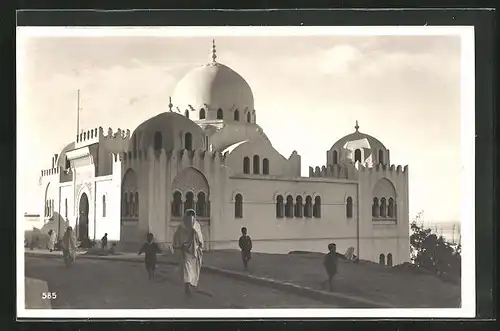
point(214, 51)
point(357, 126)
point(170, 103)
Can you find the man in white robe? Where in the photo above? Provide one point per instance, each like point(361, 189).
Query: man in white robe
point(188, 242)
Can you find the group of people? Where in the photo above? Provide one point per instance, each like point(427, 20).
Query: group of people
point(188, 243)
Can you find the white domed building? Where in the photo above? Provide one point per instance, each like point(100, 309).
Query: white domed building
point(207, 152)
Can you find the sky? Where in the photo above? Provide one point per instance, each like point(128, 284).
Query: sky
point(308, 92)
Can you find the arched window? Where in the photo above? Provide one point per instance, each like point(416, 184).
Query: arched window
point(308, 207)
point(299, 208)
point(124, 204)
point(67, 163)
point(66, 207)
point(236, 115)
point(132, 204)
point(220, 114)
point(256, 164)
point(202, 114)
point(317, 207)
point(265, 166)
point(357, 155)
point(136, 203)
point(335, 157)
point(177, 204)
point(201, 205)
point(158, 141)
point(103, 206)
point(389, 260)
point(186, 113)
point(246, 165)
point(289, 207)
point(381, 259)
point(383, 208)
point(238, 206)
point(127, 204)
point(249, 117)
point(348, 206)
point(188, 141)
point(189, 204)
point(375, 208)
point(381, 161)
point(390, 210)
point(279, 206)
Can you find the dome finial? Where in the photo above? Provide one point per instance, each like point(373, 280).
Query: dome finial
point(357, 126)
point(170, 103)
point(214, 51)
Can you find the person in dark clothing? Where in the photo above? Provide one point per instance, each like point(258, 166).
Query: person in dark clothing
point(104, 241)
point(245, 244)
point(150, 248)
point(330, 263)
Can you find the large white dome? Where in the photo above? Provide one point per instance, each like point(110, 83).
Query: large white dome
point(212, 87)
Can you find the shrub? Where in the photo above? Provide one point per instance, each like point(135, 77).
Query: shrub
point(434, 254)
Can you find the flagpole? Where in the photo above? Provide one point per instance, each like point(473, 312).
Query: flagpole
point(78, 114)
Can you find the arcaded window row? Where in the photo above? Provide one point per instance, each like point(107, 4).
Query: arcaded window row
point(220, 115)
point(130, 204)
point(256, 165)
point(49, 208)
point(384, 208)
point(357, 156)
point(291, 208)
point(201, 205)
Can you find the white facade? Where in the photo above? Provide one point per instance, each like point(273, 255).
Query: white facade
point(215, 158)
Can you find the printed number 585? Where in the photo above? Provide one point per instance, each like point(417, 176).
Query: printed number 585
point(49, 295)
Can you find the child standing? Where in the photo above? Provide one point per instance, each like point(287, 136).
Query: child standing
point(150, 248)
point(330, 263)
point(245, 244)
point(104, 241)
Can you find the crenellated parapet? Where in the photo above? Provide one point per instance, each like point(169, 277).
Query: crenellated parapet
point(200, 158)
point(50, 172)
point(98, 135)
point(331, 171)
point(89, 135)
point(118, 134)
point(386, 170)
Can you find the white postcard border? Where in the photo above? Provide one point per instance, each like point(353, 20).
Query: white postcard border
point(468, 172)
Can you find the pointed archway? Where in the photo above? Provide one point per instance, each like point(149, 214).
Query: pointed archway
point(83, 222)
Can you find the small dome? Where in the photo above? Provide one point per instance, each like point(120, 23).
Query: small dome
point(358, 146)
point(358, 138)
point(169, 125)
point(211, 87)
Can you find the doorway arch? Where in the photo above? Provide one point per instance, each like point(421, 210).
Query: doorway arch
point(83, 224)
